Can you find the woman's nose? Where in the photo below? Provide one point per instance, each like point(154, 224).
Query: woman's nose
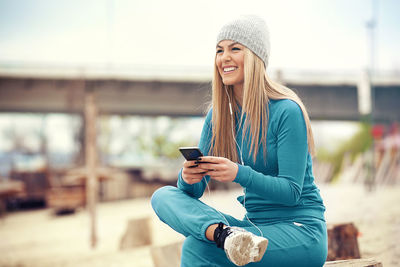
point(226, 57)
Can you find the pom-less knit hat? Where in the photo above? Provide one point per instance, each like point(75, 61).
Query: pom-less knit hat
point(250, 31)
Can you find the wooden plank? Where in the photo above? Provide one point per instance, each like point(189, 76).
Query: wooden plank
point(354, 263)
point(170, 256)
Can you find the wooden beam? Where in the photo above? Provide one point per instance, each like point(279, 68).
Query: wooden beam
point(91, 161)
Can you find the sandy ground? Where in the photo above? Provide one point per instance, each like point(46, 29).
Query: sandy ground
point(37, 238)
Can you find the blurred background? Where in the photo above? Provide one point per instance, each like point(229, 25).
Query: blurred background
point(97, 96)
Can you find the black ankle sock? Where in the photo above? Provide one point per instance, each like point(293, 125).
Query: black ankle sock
point(220, 234)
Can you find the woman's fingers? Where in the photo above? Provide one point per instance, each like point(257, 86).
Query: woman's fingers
point(219, 168)
point(192, 173)
point(212, 163)
point(212, 159)
point(190, 164)
point(219, 176)
point(212, 166)
point(194, 170)
point(214, 175)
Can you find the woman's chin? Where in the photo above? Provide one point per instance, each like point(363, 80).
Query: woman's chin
point(232, 83)
point(228, 82)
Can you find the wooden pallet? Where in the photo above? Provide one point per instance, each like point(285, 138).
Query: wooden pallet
point(65, 199)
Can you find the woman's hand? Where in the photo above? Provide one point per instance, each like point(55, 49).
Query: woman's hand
point(192, 173)
point(219, 168)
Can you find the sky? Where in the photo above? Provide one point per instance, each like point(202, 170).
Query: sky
point(305, 34)
point(316, 35)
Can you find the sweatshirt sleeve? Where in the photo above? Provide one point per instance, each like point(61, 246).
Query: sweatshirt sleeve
point(292, 151)
point(197, 190)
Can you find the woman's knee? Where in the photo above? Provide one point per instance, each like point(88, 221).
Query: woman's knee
point(162, 194)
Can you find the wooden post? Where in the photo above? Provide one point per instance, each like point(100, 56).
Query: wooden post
point(342, 242)
point(91, 179)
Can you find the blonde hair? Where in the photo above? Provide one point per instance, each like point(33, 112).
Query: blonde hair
point(258, 88)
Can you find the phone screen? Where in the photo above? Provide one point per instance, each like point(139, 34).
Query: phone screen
point(191, 153)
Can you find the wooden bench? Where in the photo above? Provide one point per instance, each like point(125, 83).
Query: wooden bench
point(354, 263)
point(170, 256)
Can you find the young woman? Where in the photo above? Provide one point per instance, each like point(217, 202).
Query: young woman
point(257, 134)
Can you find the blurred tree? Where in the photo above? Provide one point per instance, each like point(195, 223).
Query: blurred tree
point(162, 143)
point(143, 138)
point(358, 143)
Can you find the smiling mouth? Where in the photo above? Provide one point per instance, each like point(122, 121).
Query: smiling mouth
point(229, 70)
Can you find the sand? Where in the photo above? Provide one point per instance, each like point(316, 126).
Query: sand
point(38, 238)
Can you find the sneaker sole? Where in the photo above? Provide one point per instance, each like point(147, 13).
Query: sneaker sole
point(246, 248)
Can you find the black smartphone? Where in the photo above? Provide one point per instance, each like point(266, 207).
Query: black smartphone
point(191, 153)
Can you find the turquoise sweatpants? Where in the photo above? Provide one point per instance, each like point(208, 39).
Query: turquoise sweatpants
point(292, 241)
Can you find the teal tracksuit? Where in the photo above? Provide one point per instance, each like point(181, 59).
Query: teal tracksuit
point(281, 198)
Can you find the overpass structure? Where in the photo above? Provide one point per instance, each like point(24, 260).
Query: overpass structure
point(325, 97)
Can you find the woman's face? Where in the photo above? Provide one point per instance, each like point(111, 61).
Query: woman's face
point(230, 62)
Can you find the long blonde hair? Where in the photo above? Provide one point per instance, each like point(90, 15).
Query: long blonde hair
point(257, 90)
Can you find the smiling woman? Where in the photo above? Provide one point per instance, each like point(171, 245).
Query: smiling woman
point(284, 208)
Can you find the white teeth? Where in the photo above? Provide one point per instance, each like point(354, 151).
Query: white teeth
point(229, 69)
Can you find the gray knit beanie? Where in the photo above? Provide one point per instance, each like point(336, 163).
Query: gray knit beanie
point(250, 31)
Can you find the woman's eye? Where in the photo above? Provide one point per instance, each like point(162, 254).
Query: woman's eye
point(219, 51)
point(236, 49)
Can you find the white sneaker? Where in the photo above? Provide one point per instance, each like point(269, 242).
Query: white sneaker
point(242, 247)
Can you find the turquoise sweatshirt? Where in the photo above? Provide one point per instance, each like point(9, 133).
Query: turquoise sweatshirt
point(282, 185)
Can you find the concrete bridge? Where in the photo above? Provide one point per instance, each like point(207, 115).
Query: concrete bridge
point(334, 100)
